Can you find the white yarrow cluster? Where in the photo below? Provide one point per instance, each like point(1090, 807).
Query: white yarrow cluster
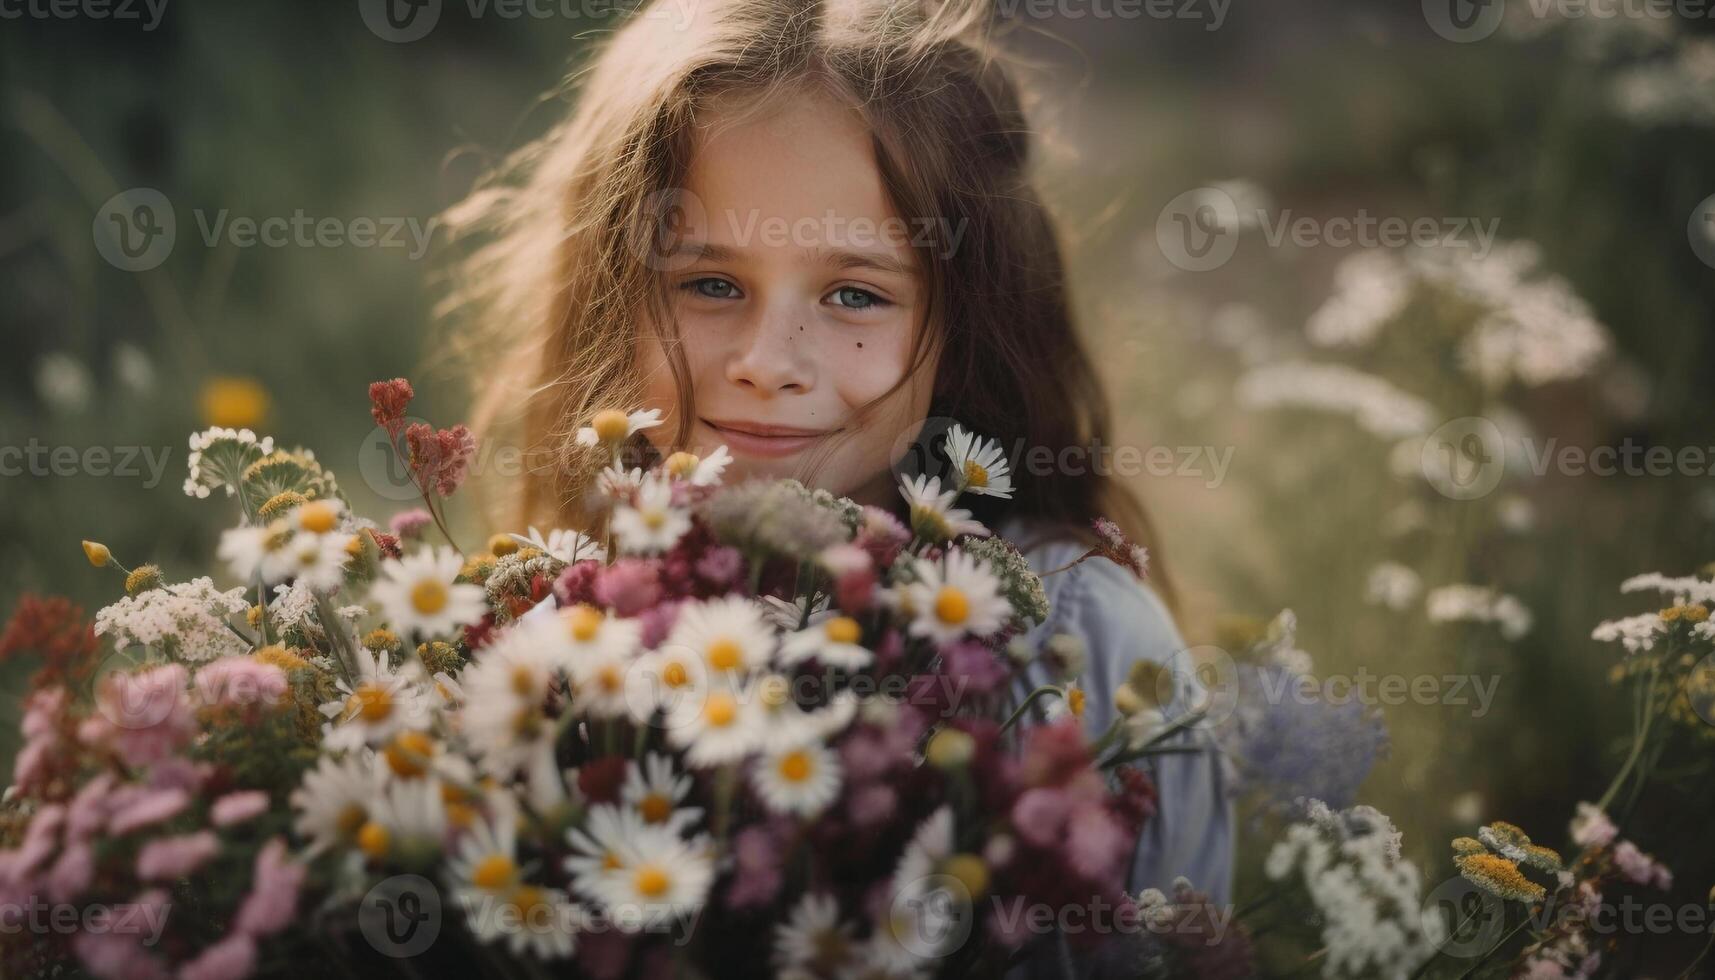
point(1465, 603)
point(188, 620)
point(1373, 402)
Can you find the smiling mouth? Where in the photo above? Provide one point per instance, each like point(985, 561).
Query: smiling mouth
point(757, 439)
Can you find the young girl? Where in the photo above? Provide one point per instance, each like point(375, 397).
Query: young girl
point(801, 229)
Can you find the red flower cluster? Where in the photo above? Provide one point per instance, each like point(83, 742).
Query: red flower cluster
point(54, 629)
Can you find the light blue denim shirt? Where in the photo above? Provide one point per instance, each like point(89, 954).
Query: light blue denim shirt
point(1122, 621)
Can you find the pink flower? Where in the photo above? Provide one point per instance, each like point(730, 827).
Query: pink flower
point(628, 586)
point(89, 808)
point(440, 458)
point(1591, 827)
point(720, 566)
point(872, 805)
point(234, 808)
point(409, 525)
point(1040, 815)
point(241, 682)
point(882, 535)
point(1641, 868)
point(233, 958)
point(274, 898)
point(1095, 842)
point(1112, 544)
point(757, 851)
point(143, 807)
point(174, 857)
point(143, 717)
point(116, 956)
point(658, 621)
point(72, 873)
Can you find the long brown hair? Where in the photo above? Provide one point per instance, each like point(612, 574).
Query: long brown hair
point(560, 274)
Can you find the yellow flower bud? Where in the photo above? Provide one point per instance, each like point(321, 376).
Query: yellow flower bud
point(97, 553)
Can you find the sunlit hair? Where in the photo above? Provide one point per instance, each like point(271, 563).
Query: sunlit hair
point(563, 264)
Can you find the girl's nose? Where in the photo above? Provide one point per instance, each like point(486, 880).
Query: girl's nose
point(772, 356)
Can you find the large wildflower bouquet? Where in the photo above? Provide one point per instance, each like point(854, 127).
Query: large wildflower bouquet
point(725, 730)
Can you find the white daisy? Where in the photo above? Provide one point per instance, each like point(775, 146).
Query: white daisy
point(540, 921)
point(616, 482)
point(333, 801)
point(722, 725)
point(380, 703)
point(649, 522)
point(933, 515)
point(406, 818)
point(730, 633)
point(813, 938)
point(661, 678)
point(418, 593)
point(699, 471)
point(483, 865)
point(801, 778)
point(978, 463)
point(833, 641)
point(506, 689)
point(953, 597)
point(599, 679)
point(562, 543)
point(661, 878)
point(322, 516)
point(318, 560)
point(919, 924)
point(654, 791)
point(614, 427)
point(582, 631)
point(258, 551)
point(603, 843)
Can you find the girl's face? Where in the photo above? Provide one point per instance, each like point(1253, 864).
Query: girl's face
point(797, 298)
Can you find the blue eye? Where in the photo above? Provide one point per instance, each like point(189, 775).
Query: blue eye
point(712, 288)
point(853, 298)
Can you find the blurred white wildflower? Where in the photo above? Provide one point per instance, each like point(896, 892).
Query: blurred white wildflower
point(1392, 585)
point(1682, 588)
point(1636, 633)
point(1370, 288)
point(1242, 328)
point(1373, 402)
point(133, 369)
point(1536, 330)
point(1250, 200)
point(63, 382)
point(1679, 89)
point(1464, 603)
point(1369, 898)
point(1516, 514)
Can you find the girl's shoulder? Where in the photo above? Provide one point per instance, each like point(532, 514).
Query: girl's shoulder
point(1099, 600)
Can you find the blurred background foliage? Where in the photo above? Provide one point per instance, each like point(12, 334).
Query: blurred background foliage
point(1593, 140)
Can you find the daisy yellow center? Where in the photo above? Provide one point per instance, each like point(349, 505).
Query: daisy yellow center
point(354, 547)
point(952, 606)
point(610, 680)
point(278, 537)
point(610, 862)
point(408, 754)
point(526, 722)
point(651, 881)
point(682, 464)
point(584, 621)
point(843, 629)
point(523, 681)
point(1075, 701)
point(975, 475)
point(429, 597)
point(655, 808)
point(461, 815)
point(317, 517)
point(724, 654)
point(611, 425)
point(351, 819)
point(370, 702)
point(654, 519)
point(675, 675)
point(795, 766)
point(720, 711)
point(529, 900)
point(494, 872)
point(374, 840)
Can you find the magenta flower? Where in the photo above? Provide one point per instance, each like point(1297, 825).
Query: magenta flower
point(175, 857)
point(274, 898)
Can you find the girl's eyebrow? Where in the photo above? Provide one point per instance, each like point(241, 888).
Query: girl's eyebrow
point(833, 258)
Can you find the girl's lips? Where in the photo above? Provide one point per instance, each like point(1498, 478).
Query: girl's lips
point(752, 439)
